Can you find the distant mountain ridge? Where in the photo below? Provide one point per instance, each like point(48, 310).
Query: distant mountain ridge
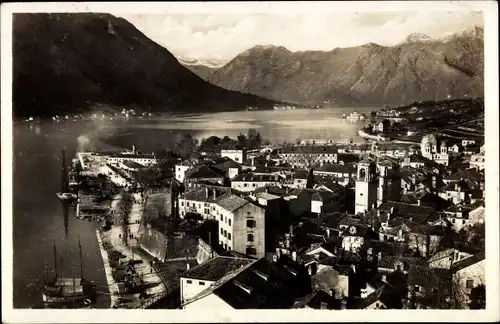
point(420, 68)
point(66, 62)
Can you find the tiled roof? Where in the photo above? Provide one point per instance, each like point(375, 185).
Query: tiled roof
point(427, 199)
point(262, 285)
point(216, 268)
point(471, 174)
point(226, 163)
point(335, 187)
point(256, 178)
point(418, 214)
point(132, 164)
point(335, 168)
point(200, 194)
point(478, 257)
point(309, 149)
point(390, 261)
point(301, 174)
point(324, 196)
point(266, 196)
point(317, 299)
point(232, 203)
point(203, 172)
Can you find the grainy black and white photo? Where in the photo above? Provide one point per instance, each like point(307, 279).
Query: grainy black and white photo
point(211, 160)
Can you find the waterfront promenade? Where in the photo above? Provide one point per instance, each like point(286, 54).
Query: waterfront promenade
point(113, 240)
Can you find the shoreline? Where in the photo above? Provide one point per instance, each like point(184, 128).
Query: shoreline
point(112, 285)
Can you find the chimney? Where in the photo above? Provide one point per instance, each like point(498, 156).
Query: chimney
point(332, 292)
point(323, 305)
point(214, 191)
point(291, 229)
point(392, 210)
point(294, 256)
point(187, 266)
point(418, 202)
point(384, 277)
point(353, 267)
point(206, 192)
point(328, 232)
point(379, 256)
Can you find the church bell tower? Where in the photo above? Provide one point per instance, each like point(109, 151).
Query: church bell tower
point(366, 187)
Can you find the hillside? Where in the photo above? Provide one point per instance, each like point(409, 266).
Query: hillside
point(420, 68)
point(68, 62)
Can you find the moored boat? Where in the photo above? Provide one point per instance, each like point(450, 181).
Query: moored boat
point(72, 292)
point(66, 196)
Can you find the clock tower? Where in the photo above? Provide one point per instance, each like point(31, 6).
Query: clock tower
point(366, 187)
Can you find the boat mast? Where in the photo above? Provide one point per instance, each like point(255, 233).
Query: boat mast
point(64, 180)
point(60, 265)
point(81, 259)
point(55, 260)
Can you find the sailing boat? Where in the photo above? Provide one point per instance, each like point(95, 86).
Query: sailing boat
point(74, 292)
point(65, 195)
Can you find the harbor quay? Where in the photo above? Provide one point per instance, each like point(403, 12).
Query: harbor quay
point(131, 277)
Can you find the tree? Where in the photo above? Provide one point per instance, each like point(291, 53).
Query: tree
point(373, 113)
point(242, 140)
point(477, 297)
point(185, 146)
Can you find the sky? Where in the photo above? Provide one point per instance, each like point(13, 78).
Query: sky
point(220, 37)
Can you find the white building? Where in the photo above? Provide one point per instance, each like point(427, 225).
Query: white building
point(477, 161)
point(241, 226)
point(468, 274)
point(366, 187)
point(203, 276)
point(250, 182)
point(180, 170)
point(239, 156)
point(432, 151)
point(202, 200)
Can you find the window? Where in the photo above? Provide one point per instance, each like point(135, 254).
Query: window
point(361, 194)
point(251, 251)
point(187, 204)
point(245, 185)
point(182, 203)
point(201, 283)
point(229, 248)
point(463, 222)
point(225, 233)
point(469, 284)
point(221, 217)
point(221, 231)
point(189, 281)
point(225, 246)
point(228, 236)
point(250, 237)
point(229, 222)
point(417, 288)
point(251, 223)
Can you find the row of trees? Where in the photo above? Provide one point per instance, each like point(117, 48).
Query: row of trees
point(186, 145)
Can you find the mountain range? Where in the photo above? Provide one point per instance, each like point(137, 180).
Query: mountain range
point(69, 62)
point(419, 68)
point(72, 62)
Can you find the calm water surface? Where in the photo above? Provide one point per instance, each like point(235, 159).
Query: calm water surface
point(39, 217)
